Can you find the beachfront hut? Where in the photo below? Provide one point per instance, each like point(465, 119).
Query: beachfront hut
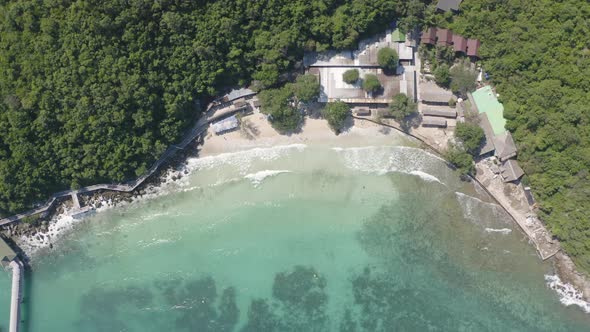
point(433, 94)
point(239, 93)
point(429, 36)
point(473, 47)
point(362, 112)
point(444, 37)
point(505, 147)
point(446, 113)
point(511, 171)
point(446, 5)
point(226, 125)
point(238, 104)
point(488, 146)
point(459, 43)
point(434, 122)
point(7, 255)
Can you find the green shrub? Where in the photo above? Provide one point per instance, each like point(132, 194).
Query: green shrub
point(351, 76)
point(371, 83)
point(387, 58)
point(336, 113)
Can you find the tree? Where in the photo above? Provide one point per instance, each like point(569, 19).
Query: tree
point(543, 83)
point(442, 75)
point(306, 88)
point(388, 58)
point(351, 76)
point(278, 105)
point(401, 107)
point(371, 83)
point(460, 159)
point(471, 137)
point(96, 92)
point(463, 79)
point(336, 113)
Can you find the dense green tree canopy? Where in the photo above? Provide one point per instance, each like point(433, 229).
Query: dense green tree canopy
point(401, 106)
point(371, 83)
point(94, 91)
point(336, 113)
point(471, 137)
point(387, 58)
point(463, 79)
point(306, 88)
point(351, 76)
point(460, 159)
point(442, 75)
point(279, 105)
point(538, 56)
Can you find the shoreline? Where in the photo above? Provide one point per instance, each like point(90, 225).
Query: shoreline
point(256, 133)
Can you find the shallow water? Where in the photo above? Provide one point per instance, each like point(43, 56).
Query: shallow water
point(297, 238)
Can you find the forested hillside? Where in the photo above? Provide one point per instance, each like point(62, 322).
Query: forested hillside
point(94, 91)
point(538, 56)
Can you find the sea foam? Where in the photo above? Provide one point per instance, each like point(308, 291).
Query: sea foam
point(258, 177)
point(568, 294)
point(393, 159)
point(500, 230)
point(175, 180)
point(243, 159)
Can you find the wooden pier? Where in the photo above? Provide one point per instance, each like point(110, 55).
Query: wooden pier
point(15, 300)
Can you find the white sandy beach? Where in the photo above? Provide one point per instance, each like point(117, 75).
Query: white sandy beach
point(256, 131)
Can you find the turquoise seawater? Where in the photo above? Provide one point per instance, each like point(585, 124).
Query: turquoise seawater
point(295, 238)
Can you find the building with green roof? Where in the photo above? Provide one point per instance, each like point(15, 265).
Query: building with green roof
point(397, 36)
point(486, 102)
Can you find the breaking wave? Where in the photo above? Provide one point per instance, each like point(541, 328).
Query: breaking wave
point(393, 159)
point(258, 177)
point(568, 294)
point(243, 159)
point(500, 230)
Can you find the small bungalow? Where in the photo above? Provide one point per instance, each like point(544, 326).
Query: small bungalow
point(473, 47)
point(239, 93)
point(435, 95)
point(511, 171)
point(7, 255)
point(226, 125)
point(444, 37)
point(505, 147)
point(362, 112)
point(434, 122)
point(446, 5)
point(459, 43)
point(450, 113)
point(429, 36)
point(238, 104)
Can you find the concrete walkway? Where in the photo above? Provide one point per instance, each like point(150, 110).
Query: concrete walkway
point(199, 128)
point(15, 299)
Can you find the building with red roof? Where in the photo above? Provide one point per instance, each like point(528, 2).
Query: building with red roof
point(473, 47)
point(459, 43)
point(429, 36)
point(444, 37)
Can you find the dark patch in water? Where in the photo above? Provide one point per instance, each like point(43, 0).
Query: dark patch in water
point(298, 304)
